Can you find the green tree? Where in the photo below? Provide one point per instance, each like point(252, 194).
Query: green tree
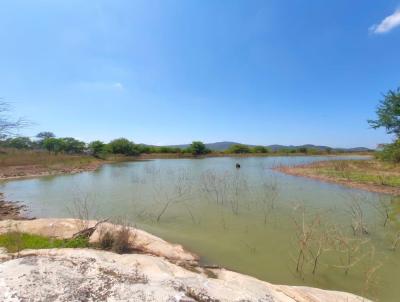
point(390, 152)
point(238, 149)
point(388, 113)
point(198, 148)
point(388, 117)
point(72, 145)
point(53, 144)
point(20, 142)
point(97, 148)
point(123, 146)
point(259, 149)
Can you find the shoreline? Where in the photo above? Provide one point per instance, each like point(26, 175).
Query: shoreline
point(12, 209)
point(300, 171)
point(16, 172)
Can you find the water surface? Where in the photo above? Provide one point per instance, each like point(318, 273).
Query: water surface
point(245, 219)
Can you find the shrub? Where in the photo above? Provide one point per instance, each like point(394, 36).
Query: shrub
point(52, 144)
point(390, 152)
point(19, 142)
point(198, 148)
point(72, 145)
point(98, 149)
point(121, 240)
point(123, 146)
point(238, 149)
point(106, 240)
point(259, 149)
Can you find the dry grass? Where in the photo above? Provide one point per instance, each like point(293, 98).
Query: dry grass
point(371, 175)
point(118, 240)
point(25, 163)
point(364, 171)
point(13, 157)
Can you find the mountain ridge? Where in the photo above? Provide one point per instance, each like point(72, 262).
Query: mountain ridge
point(224, 145)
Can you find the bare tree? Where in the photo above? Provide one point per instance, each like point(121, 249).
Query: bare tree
point(305, 230)
point(356, 211)
point(8, 125)
point(178, 192)
point(237, 186)
point(215, 186)
point(83, 209)
point(383, 208)
point(350, 250)
point(269, 195)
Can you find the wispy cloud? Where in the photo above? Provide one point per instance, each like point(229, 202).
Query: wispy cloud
point(387, 24)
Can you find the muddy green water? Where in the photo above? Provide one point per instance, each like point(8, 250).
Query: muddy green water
point(246, 219)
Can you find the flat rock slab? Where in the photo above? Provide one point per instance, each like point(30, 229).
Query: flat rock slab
point(92, 275)
point(66, 228)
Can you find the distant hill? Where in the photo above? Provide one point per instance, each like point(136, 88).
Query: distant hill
point(222, 146)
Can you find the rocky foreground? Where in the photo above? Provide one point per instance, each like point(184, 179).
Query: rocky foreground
point(162, 272)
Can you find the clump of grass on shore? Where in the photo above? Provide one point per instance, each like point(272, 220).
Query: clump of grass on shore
point(16, 241)
point(363, 171)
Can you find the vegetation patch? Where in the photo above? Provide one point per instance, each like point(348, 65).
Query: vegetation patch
point(16, 241)
point(372, 175)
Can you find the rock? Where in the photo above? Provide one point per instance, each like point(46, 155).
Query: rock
point(93, 275)
point(66, 228)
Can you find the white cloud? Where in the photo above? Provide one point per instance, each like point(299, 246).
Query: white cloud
point(387, 24)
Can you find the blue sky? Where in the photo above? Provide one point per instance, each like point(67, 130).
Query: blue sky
point(167, 72)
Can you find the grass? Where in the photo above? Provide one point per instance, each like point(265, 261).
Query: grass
point(361, 171)
point(14, 157)
point(16, 241)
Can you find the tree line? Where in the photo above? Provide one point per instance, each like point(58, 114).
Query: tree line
point(69, 145)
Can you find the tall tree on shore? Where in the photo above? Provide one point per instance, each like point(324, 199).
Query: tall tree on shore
point(198, 148)
point(388, 112)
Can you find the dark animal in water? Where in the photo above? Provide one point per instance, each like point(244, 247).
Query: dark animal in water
point(237, 166)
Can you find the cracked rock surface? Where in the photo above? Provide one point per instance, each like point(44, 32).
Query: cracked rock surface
point(92, 275)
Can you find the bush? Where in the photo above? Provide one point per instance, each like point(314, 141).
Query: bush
point(123, 146)
point(52, 144)
point(98, 149)
point(72, 145)
point(19, 142)
point(116, 240)
point(238, 149)
point(121, 241)
point(390, 152)
point(106, 240)
point(259, 149)
point(198, 148)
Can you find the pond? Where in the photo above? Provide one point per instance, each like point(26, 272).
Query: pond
point(279, 228)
